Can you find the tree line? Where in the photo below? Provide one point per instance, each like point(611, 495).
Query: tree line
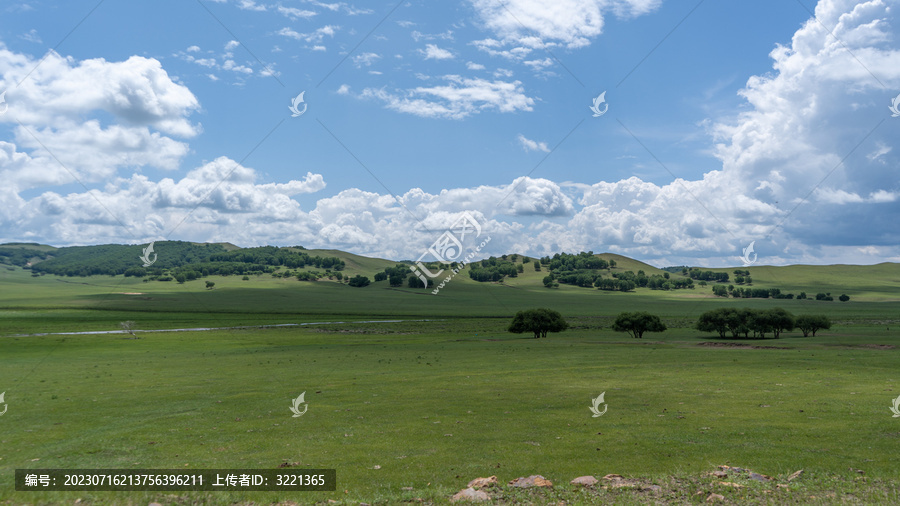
point(177, 260)
point(738, 322)
point(743, 321)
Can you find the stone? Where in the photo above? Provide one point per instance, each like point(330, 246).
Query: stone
point(613, 477)
point(470, 494)
point(585, 481)
point(760, 477)
point(720, 474)
point(715, 497)
point(483, 482)
point(534, 480)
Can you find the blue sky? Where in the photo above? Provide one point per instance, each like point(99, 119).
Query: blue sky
point(727, 123)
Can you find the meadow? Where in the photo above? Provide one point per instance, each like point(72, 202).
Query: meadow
point(410, 411)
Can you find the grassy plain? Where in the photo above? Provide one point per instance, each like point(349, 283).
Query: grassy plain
point(436, 403)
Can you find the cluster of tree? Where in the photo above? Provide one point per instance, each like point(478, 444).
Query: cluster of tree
point(742, 277)
point(16, 254)
point(201, 270)
point(115, 259)
point(396, 274)
point(620, 285)
point(414, 281)
point(538, 321)
point(741, 322)
point(696, 273)
point(541, 321)
point(358, 281)
point(568, 262)
point(176, 258)
point(827, 297)
point(494, 269)
point(747, 293)
point(766, 293)
point(655, 281)
point(273, 255)
point(182, 261)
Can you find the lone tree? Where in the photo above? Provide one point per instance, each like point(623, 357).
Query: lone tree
point(810, 323)
point(538, 322)
point(210, 285)
point(637, 323)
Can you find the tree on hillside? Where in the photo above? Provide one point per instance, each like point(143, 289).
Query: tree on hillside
point(358, 281)
point(812, 323)
point(637, 323)
point(538, 321)
point(844, 297)
point(210, 285)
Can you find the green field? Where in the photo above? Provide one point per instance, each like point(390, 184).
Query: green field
point(434, 404)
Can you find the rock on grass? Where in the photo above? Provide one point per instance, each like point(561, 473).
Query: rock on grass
point(483, 482)
point(585, 481)
point(470, 494)
point(534, 480)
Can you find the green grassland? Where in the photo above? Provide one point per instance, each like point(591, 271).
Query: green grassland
point(437, 403)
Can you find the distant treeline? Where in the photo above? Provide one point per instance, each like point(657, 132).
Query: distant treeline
point(174, 259)
point(13, 255)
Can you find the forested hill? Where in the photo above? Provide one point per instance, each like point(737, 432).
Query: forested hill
point(171, 256)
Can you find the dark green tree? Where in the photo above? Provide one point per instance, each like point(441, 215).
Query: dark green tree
point(358, 281)
point(538, 321)
point(812, 323)
point(637, 323)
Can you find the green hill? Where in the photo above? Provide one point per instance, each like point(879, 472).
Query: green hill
point(199, 260)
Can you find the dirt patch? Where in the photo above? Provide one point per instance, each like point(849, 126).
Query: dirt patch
point(877, 346)
point(741, 346)
point(131, 293)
